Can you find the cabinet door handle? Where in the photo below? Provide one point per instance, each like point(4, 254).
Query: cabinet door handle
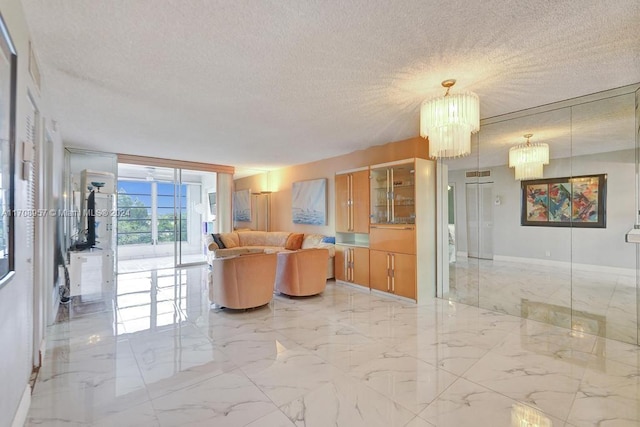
point(388, 273)
point(393, 273)
point(346, 264)
point(393, 209)
point(349, 202)
point(353, 265)
point(351, 221)
point(388, 191)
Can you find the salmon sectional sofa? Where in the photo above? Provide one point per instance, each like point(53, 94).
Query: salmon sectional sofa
point(247, 242)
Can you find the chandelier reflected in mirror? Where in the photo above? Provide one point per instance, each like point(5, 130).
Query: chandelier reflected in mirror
point(528, 159)
point(449, 121)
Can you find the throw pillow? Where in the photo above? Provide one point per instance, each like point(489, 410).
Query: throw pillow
point(218, 240)
point(329, 239)
point(212, 246)
point(294, 241)
point(230, 240)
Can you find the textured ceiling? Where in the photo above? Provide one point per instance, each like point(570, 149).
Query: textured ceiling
point(263, 84)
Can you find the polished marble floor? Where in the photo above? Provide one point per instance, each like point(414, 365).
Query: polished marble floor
point(600, 303)
point(153, 353)
point(132, 265)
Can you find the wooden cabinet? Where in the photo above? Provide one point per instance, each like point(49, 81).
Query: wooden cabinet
point(360, 266)
point(393, 272)
point(352, 265)
point(352, 202)
point(400, 239)
point(379, 271)
point(340, 263)
point(393, 194)
point(360, 202)
point(343, 205)
point(403, 271)
point(386, 227)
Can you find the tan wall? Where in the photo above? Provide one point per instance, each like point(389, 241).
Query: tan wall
point(280, 180)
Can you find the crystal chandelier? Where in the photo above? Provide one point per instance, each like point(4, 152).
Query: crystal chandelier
point(449, 121)
point(528, 159)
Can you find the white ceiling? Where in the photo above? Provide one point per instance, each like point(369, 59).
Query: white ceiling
point(264, 84)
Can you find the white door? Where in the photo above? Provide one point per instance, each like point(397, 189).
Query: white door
point(480, 220)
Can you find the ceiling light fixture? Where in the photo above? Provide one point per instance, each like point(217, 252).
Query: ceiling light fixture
point(449, 121)
point(528, 159)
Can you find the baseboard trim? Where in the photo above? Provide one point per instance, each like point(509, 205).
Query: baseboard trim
point(361, 288)
point(572, 265)
point(23, 408)
point(392, 296)
point(367, 289)
point(43, 350)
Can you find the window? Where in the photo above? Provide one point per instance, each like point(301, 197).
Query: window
point(151, 212)
point(165, 211)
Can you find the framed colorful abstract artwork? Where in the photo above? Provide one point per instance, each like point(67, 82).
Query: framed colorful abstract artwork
point(578, 201)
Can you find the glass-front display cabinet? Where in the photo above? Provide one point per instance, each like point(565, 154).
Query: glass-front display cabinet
point(393, 194)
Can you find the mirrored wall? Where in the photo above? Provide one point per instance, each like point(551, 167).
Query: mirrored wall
point(553, 248)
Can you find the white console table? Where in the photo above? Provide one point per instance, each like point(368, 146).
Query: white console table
point(90, 271)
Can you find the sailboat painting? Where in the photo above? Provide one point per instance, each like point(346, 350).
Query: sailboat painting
point(242, 205)
point(309, 202)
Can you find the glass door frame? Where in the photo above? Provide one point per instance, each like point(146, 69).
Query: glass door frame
point(178, 219)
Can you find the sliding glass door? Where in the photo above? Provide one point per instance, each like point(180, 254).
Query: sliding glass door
point(192, 215)
point(166, 212)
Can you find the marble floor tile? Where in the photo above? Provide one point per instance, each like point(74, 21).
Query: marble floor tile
point(551, 341)
point(102, 373)
point(408, 381)
point(86, 402)
point(348, 357)
point(274, 419)
point(468, 404)
point(258, 348)
point(226, 400)
point(292, 374)
point(141, 415)
point(537, 380)
point(617, 351)
point(221, 324)
point(167, 370)
point(311, 328)
point(86, 331)
point(345, 402)
point(418, 422)
point(604, 302)
point(347, 351)
point(452, 355)
point(608, 395)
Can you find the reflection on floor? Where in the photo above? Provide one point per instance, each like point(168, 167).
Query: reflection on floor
point(154, 354)
point(602, 304)
point(153, 263)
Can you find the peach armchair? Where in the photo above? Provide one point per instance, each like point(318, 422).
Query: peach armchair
point(302, 273)
point(243, 281)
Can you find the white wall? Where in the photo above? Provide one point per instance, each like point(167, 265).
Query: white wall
point(600, 246)
point(16, 298)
